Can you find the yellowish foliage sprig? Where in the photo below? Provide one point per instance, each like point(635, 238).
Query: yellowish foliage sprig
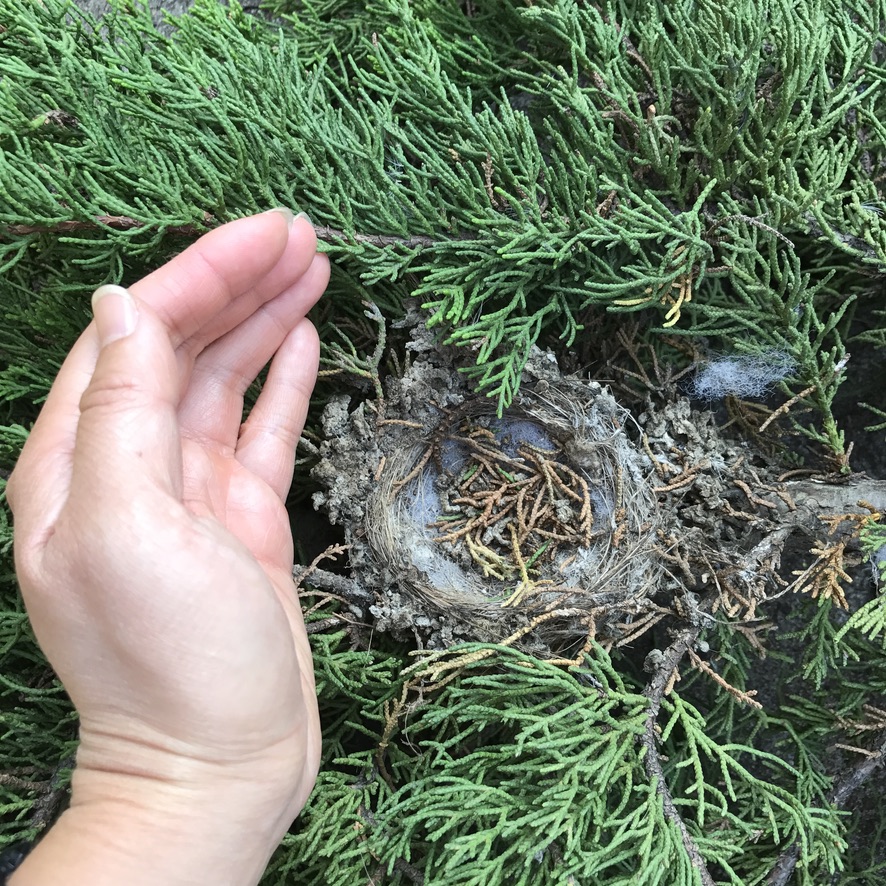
point(824, 577)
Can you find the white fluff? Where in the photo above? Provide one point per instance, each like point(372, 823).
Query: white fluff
point(742, 375)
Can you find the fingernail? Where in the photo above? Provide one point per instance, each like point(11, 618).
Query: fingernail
point(306, 217)
point(286, 213)
point(115, 313)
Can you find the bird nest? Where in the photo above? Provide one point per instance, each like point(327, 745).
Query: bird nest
point(536, 527)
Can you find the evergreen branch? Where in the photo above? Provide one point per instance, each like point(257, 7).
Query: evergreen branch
point(660, 684)
point(346, 359)
point(324, 233)
point(47, 806)
point(551, 202)
point(787, 861)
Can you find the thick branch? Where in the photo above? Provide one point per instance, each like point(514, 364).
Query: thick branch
point(839, 498)
point(863, 770)
point(125, 223)
point(117, 222)
point(655, 691)
point(46, 808)
point(331, 235)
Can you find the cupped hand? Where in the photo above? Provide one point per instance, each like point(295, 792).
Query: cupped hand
point(152, 544)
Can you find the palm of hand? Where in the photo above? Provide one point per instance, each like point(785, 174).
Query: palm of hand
point(218, 487)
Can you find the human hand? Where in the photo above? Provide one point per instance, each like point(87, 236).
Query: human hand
point(154, 555)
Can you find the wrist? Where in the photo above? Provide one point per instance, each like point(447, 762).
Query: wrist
point(201, 823)
point(171, 835)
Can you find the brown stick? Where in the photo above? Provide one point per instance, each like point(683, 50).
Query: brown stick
point(744, 697)
point(783, 409)
point(46, 808)
point(655, 691)
point(72, 226)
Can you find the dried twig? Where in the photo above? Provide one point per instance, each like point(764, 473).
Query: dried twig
point(21, 784)
point(331, 235)
point(117, 222)
point(317, 627)
point(336, 584)
point(744, 697)
point(825, 577)
point(688, 476)
point(331, 582)
point(752, 497)
point(783, 409)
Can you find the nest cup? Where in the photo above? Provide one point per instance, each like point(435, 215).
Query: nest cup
point(537, 527)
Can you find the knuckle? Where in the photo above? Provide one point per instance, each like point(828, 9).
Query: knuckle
point(112, 393)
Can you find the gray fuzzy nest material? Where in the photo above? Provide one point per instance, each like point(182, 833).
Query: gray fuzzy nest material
point(537, 528)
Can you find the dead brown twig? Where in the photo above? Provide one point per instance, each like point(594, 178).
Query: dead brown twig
point(783, 409)
point(823, 577)
point(115, 222)
point(332, 583)
point(55, 791)
point(744, 697)
point(752, 497)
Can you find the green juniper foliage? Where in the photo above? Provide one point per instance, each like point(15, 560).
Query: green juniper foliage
point(526, 172)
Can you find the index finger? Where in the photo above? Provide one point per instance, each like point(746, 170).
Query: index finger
point(192, 291)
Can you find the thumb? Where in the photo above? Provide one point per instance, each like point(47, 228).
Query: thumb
point(127, 433)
